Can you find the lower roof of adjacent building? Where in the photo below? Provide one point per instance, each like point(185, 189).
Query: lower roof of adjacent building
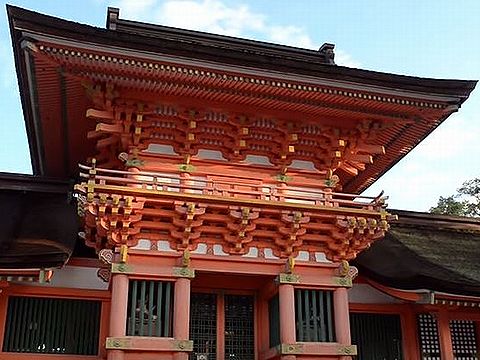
point(425, 251)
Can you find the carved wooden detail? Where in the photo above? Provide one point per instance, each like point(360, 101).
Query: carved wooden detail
point(162, 196)
point(240, 228)
point(186, 224)
point(122, 215)
point(130, 127)
point(109, 218)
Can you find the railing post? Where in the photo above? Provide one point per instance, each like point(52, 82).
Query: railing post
point(286, 298)
point(186, 185)
point(181, 314)
point(328, 197)
point(118, 312)
point(281, 191)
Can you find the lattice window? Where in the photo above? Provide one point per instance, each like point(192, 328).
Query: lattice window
point(464, 340)
point(53, 326)
point(150, 308)
point(377, 336)
point(428, 337)
point(239, 327)
point(203, 326)
point(314, 316)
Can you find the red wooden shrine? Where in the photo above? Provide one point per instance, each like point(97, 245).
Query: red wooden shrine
point(219, 187)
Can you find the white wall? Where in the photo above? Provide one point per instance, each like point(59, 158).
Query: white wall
point(366, 294)
point(76, 277)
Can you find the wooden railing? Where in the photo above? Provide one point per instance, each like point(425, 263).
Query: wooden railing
point(231, 187)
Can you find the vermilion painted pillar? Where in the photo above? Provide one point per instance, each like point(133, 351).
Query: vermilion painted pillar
point(341, 317)
point(477, 329)
point(118, 312)
point(445, 336)
point(220, 328)
point(411, 349)
point(286, 299)
point(262, 330)
point(181, 314)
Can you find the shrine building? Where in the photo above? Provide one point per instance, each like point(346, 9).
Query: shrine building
point(198, 197)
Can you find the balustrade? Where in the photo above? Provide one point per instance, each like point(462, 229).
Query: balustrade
point(232, 187)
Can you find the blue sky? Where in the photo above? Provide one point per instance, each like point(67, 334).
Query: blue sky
point(428, 38)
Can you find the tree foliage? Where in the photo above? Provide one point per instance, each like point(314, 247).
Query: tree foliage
point(466, 202)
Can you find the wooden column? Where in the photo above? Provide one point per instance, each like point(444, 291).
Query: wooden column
point(262, 324)
point(220, 327)
point(445, 336)
point(411, 347)
point(477, 330)
point(181, 314)
point(118, 312)
point(3, 309)
point(286, 298)
point(342, 318)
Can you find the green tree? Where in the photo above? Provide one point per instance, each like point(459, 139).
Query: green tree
point(466, 202)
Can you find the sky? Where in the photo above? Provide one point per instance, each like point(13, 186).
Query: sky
point(428, 38)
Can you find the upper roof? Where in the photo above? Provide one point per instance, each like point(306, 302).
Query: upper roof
point(237, 51)
point(53, 94)
point(426, 251)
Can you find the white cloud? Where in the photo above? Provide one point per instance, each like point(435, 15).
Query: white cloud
point(345, 59)
point(290, 35)
point(436, 167)
point(136, 9)
point(209, 15)
point(452, 140)
point(215, 16)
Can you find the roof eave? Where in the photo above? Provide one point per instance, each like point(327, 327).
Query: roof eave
point(26, 98)
point(296, 60)
point(304, 63)
point(31, 183)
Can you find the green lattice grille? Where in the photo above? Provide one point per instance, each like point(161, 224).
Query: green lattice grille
point(150, 308)
point(314, 316)
point(53, 326)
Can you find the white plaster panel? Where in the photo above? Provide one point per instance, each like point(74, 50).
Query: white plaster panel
point(142, 245)
point(320, 257)
point(252, 253)
point(218, 250)
point(201, 249)
point(269, 254)
point(164, 245)
point(366, 294)
point(77, 277)
point(303, 256)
